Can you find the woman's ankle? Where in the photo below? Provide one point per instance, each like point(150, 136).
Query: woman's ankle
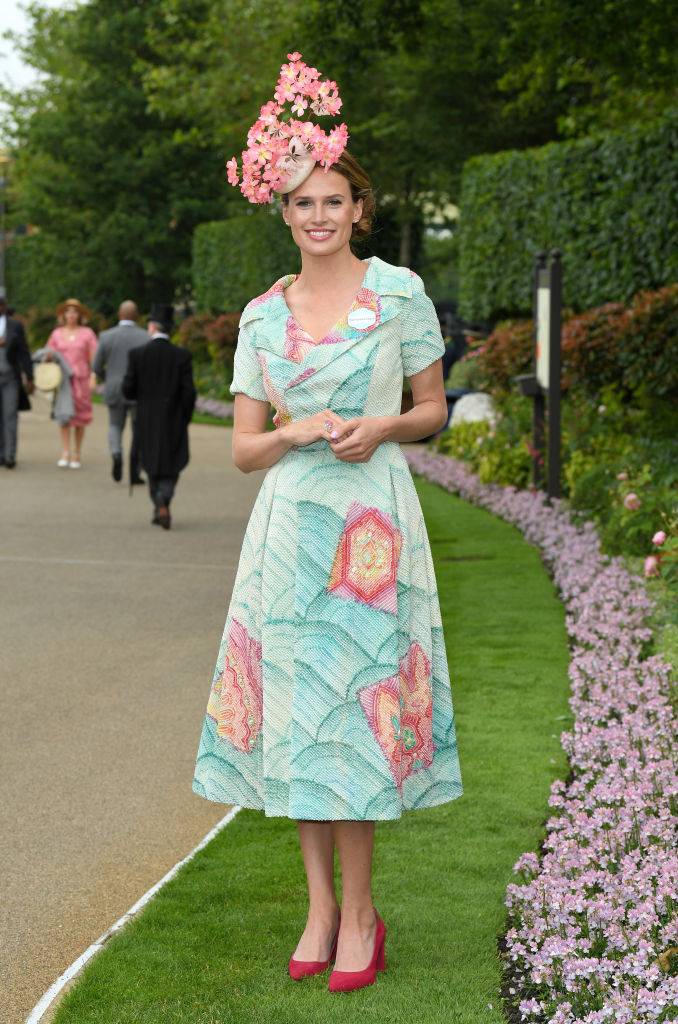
point(326, 912)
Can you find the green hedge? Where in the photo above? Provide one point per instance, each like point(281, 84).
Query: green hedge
point(236, 259)
point(609, 202)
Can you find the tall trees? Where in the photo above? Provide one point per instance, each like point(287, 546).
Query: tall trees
point(115, 189)
point(120, 148)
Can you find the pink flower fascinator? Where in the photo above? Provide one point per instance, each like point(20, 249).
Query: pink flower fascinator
point(282, 151)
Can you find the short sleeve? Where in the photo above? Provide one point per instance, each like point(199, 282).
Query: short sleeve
point(421, 340)
point(247, 374)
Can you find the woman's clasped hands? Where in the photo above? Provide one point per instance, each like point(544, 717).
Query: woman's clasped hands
point(354, 440)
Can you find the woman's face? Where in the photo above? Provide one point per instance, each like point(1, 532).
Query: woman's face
point(321, 213)
point(72, 316)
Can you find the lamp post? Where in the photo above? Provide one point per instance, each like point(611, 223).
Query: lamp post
point(545, 381)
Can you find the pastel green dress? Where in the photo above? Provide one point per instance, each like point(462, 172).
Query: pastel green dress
point(331, 695)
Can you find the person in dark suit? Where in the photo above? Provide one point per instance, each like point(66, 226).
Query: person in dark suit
point(16, 382)
point(159, 379)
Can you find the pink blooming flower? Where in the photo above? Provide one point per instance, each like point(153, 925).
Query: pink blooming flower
point(651, 566)
point(622, 476)
point(300, 104)
point(659, 538)
point(632, 502)
point(265, 162)
point(232, 171)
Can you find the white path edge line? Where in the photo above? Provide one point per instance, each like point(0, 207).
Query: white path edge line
point(53, 991)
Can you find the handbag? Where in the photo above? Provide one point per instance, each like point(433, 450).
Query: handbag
point(47, 376)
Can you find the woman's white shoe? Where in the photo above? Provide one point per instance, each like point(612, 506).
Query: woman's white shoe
point(74, 465)
point(62, 463)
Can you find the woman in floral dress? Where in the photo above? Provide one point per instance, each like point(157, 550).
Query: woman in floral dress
point(330, 701)
point(77, 344)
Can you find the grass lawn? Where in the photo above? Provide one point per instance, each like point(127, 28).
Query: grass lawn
point(213, 945)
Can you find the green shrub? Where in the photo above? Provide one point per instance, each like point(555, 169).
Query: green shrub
point(608, 202)
point(439, 268)
point(191, 334)
point(633, 348)
point(499, 452)
point(39, 323)
point(222, 337)
point(237, 259)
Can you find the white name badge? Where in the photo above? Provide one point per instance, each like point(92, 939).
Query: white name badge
point(362, 318)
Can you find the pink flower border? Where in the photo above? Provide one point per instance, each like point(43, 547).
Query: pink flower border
point(592, 920)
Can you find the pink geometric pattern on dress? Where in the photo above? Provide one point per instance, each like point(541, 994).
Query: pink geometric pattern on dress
point(298, 343)
point(365, 299)
point(365, 564)
point(275, 289)
point(399, 711)
point(236, 699)
point(282, 413)
point(304, 375)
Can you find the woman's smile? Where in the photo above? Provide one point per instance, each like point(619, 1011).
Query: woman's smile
point(320, 234)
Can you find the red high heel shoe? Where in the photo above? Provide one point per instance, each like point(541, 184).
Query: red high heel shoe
point(306, 968)
point(347, 981)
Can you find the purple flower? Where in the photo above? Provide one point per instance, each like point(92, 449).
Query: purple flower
point(590, 919)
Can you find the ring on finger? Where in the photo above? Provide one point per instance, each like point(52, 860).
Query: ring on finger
point(328, 425)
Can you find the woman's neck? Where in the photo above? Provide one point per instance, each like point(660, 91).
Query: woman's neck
point(319, 272)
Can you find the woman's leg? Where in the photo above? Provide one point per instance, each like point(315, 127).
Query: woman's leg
point(317, 850)
point(79, 434)
point(355, 842)
point(65, 442)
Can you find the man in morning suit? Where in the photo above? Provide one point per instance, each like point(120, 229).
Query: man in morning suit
point(16, 382)
point(110, 366)
point(159, 379)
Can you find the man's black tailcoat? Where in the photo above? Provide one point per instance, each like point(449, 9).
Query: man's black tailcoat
point(160, 379)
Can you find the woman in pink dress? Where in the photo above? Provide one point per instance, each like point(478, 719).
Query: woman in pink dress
point(77, 344)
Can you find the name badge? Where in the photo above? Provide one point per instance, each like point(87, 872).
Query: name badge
point(362, 318)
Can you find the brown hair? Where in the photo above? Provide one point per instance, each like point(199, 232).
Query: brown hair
point(361, 188)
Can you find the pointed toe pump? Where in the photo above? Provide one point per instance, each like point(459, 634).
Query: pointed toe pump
point(299, 969)
point(347, 981)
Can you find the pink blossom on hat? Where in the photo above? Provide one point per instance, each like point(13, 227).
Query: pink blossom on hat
point(282, 153)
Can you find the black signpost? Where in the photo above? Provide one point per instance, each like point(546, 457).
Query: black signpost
point(545, 380)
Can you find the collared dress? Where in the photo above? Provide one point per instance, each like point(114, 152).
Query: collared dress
point(79, 352)
point(331, 697)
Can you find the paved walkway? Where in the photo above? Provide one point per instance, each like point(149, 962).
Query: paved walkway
point(109, 629)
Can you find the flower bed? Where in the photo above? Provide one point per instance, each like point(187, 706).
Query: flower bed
point(214, 407)
point(593, 931)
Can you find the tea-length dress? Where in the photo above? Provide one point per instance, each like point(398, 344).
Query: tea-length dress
point(331, 695)
point(79, 353)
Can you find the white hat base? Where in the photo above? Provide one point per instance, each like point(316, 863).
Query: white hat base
point(298, 177)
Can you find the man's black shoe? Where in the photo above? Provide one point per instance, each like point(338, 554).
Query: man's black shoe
point(10, 463)
point(164, 517)
point(116, 472)
point(137, 480)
